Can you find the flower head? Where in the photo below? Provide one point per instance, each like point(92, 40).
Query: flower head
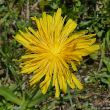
point(51, 50)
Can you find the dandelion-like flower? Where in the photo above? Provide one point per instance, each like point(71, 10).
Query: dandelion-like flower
point(52, 49)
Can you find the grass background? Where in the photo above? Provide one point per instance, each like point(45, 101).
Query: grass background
point(94, 71)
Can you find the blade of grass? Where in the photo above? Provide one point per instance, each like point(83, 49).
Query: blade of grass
point(2, 53)
point(3, 8)
point(19, 84)
point(52, 105)
point(9, 95)
point(5, 17)
point(5, 41)
point(108, 39)
point(14, 73)
point(70, 97)
point(102, 56)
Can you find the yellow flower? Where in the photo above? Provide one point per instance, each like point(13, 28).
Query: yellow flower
point(51, 50)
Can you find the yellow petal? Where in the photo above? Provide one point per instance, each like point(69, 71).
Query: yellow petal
point(85, 43)
point(76, 57)
point(73, 37)
point(87, 36)
point(25, 36)
point(57, 93)
point(20, 39)
point(60, 80)
point(57, 17)
point(54, 75)
point(70, 26)
point(86, 51)
point(31, 69)
point(47, 78)
point(71, 84)
point(44, 19)
point(77, 82)
point(63, 62)
point(64, 85)
point(45, 84)
point(37, 77)
point(33, 18)
point(73, 66)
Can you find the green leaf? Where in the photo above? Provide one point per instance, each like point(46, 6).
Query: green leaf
point(13, 16)
point(104, 80)
point(104, 74)
point(43, 3)
point(52, 105)
point(86, 104)
point(9, 105)
point(44, 108)
point(84, 23)
point(24, 105)
point(49, 0)
point(9, 95)
point(96, 29)
point(93, 80)
point(94, 56)
point(54, 6)
point(82, 9)
point(107, 63)
point(104, 69)
point(90, 29)
point(5, 17)
point(78, 104)
point(38, 100)
point(19, 25)
point(38, 95)
point(79, 3)
point(99, 33)
point(2, 108)
point(3, 8)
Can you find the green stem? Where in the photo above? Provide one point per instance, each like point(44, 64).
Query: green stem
point(102, 56)
point(70, 97)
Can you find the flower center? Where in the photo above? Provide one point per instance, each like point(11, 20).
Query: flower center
point(55, 51)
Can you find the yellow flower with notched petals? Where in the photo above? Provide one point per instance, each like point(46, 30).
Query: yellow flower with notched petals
point(51, 49)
